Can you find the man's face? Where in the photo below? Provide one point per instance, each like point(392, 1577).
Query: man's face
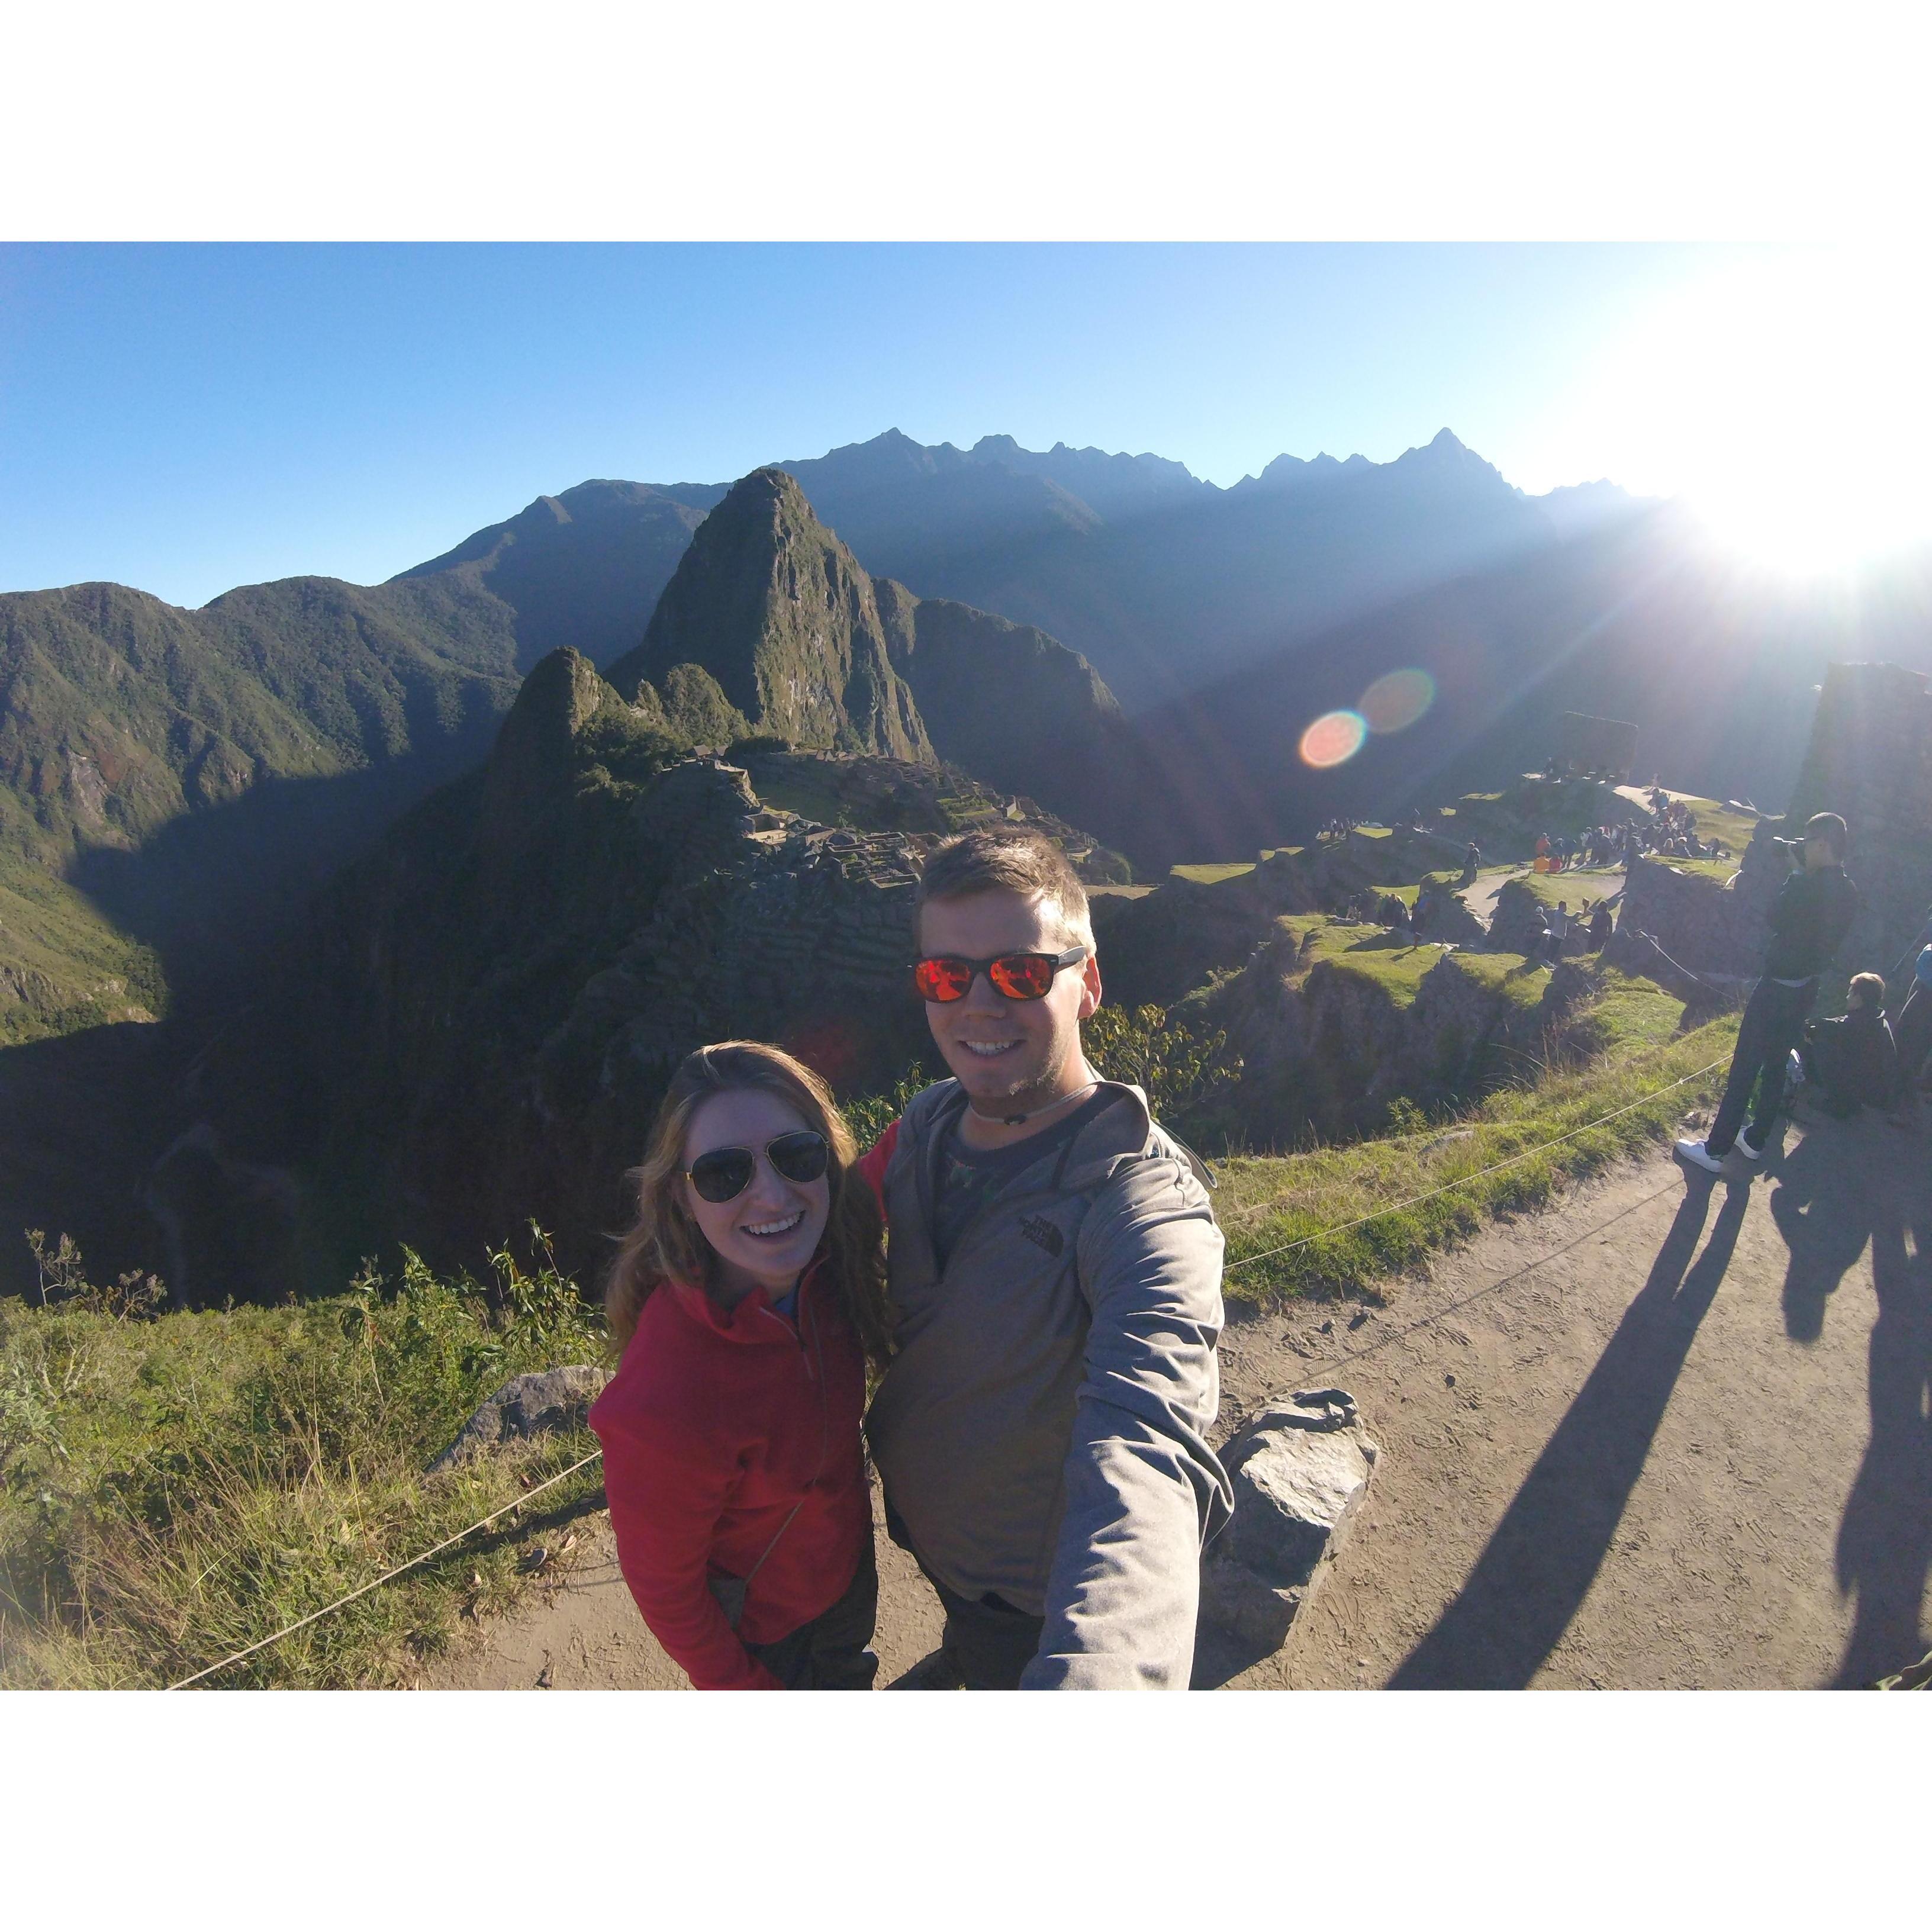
point(998, 1047)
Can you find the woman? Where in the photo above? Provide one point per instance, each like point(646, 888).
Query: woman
point(746, 1302)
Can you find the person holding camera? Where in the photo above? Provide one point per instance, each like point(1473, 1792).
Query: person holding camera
point(1813, 910)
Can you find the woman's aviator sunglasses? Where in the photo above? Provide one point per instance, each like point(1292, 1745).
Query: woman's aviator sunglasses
point(725, 1173)
point(1014, 975)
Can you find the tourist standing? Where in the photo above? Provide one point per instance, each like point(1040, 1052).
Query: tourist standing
point(1813, 910)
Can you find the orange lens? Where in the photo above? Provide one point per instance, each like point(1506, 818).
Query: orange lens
point(943, 980)
point(1022, 975)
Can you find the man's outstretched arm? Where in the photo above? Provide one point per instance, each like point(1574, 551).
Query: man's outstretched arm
point(1142, 1486)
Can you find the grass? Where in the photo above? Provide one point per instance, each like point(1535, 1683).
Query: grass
point(1720, 869)
point(1266, 1202)
point(1211, 875)
point(63, 964)
point(174, 1488)
point(1398, 965)
point(818, 803)
point(1575, 887)
point(1717, 821)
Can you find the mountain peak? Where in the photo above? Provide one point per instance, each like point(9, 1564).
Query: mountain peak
point(772, 605)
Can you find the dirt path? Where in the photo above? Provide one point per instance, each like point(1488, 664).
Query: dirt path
point(1671, 1433)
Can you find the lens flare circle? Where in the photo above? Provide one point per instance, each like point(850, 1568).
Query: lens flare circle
point(1396, 701)
point(1333, 739)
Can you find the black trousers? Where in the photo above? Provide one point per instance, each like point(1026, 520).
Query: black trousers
point(832, 1652)
point(988, 1641)
point(1773, 1023)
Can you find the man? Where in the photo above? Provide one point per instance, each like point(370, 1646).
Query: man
point(1852, 1059)
point(1813, 908)
point(1055, 1280)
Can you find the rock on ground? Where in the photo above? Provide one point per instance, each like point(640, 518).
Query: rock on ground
point(550, 1400)
point(1300, 1470)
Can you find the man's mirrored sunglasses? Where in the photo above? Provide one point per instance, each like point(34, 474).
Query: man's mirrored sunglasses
point(1014, 975)
point(725, 1173)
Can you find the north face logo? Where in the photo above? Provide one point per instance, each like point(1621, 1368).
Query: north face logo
point(1043, 1234)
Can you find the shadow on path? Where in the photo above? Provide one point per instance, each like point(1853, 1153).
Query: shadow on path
point(1835, 1196)
point(1538, 1566)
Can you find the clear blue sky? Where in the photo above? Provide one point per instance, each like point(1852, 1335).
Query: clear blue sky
point(187, 418)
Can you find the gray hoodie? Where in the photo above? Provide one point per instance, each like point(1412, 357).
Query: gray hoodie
point(1042, 1431)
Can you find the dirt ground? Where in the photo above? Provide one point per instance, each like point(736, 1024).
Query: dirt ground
point(1673, 1433)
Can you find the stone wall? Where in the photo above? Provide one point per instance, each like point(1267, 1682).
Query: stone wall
point(1870, 760)
point(1716, 928)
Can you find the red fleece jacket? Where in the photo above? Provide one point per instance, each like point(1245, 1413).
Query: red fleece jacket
point(715, 1425)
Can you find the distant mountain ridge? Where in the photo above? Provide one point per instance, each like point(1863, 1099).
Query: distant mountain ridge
point(1161, 581)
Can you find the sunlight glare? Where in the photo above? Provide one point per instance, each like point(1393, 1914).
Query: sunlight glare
point(1786, 399)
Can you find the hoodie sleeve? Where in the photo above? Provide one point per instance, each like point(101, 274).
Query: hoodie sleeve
point(1144, 1490)
point(666, 1494)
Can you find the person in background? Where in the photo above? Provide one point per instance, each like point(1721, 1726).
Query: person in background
point(1813, 911)
point(745, 1301)
point(1601, 927)
point(1912, 1032)
point(1041, 1431)
point(1852, 1059)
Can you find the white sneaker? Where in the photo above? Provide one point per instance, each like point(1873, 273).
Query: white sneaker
point(1744, 1146)
point(1699, 1155)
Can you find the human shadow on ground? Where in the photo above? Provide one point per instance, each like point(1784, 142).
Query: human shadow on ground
point(1538, 1565)
point(1836, 1195)
point(1821, 1208)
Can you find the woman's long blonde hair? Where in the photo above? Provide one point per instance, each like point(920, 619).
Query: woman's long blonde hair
point(666, 1244)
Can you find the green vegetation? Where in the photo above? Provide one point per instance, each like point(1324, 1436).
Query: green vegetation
point(1182, 1066)
point(1575, 887)
point(63, 964)
point(172, 1490)
point(1265, 1203)
point(1397, 964)
point(1720, 822)
point(1211, 875)
point(1720, 869)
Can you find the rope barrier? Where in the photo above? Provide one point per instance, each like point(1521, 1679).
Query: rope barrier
point(549, 1482)
point(584, 1463)
point(1495, 1167)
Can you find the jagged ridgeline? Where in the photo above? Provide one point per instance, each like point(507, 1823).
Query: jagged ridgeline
point(489, 1004)
point(809, 648)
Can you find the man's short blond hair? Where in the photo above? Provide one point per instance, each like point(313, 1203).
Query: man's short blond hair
point(1023, 861)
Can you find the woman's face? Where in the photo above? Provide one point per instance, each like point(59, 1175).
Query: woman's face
point(765, 1236)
